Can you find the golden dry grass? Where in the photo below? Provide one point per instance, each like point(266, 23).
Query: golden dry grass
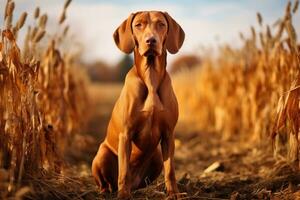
point(41, 104)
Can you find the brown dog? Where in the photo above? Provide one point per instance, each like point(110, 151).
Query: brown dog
point(145, 113)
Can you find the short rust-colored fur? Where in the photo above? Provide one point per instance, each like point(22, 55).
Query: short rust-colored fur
point(146, 112)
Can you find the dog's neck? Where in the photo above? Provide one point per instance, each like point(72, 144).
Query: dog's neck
point(151, 69)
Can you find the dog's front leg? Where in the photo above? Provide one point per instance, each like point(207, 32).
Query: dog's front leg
point(167, 144)
point(124, 150)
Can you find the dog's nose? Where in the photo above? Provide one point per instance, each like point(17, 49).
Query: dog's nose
point(151, 40)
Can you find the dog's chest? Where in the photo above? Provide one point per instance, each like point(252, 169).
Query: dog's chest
point(150, 129)
point(152, 104)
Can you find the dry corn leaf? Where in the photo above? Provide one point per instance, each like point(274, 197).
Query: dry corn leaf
point(43, 21)
point(67, 3)
point(8, 34)
point(65, 32)
point(281, 116)
point(259, 18)
point(22, 20)
point(33, 33)
point(6, 8)
point(10, 8)
point(295, 8)
point(62, 17)
point(36, 12)
point(40, 34)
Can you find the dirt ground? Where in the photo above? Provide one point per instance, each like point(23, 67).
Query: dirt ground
point(207, 167)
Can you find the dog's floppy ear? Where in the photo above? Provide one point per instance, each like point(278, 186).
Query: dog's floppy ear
point(123, 36)
point(175, 35)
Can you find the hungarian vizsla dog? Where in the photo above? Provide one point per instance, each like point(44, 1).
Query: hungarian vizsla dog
point(146, 112)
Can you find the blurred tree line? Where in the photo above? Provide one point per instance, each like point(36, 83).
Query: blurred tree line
point(102, 72)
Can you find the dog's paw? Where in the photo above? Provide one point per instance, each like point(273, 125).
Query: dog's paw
point(173, 196)
point(124, 194)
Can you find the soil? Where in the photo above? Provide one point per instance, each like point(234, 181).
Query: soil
point(207, 166)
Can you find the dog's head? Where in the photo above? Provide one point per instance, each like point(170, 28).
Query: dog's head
point(151, 32)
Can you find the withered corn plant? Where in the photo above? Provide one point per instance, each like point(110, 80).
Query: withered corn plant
point(41, 100)
point(237, 93)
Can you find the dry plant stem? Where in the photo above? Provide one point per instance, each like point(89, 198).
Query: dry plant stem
point(36, 114)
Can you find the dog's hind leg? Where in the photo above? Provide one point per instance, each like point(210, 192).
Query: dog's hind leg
point(105, 169)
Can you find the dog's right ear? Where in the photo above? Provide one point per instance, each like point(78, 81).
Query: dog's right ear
point(123, 35)
point(175, 35)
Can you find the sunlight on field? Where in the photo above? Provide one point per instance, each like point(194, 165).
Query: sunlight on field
point(102, 97)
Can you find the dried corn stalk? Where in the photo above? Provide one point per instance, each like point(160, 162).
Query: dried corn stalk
point(40, 103)
point(237, 93)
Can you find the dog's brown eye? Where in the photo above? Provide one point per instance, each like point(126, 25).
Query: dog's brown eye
point(161, 24)
point(138, 25)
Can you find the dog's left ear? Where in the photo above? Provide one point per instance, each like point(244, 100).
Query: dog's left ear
point(123, 35)
point(175, 35)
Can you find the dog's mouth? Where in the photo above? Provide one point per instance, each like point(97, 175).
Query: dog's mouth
point(150, 60)
point(151, 53)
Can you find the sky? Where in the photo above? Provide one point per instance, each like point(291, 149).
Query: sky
point(206, 23)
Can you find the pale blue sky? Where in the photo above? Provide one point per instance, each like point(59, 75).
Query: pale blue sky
point(93, 21)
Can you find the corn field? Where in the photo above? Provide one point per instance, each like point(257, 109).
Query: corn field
point(252, 91)
point(38, 88)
